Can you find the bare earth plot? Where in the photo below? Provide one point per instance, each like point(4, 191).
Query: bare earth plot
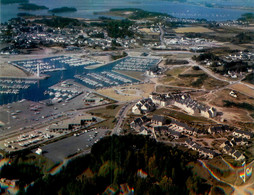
point(126, 93)
point(7, 70)
point(194, 29)
point(231, 114)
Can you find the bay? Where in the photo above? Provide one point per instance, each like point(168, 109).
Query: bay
point(86, 8)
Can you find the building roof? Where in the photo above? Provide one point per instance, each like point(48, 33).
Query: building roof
point(160, 128)
point(158, 118)
point(237, 154)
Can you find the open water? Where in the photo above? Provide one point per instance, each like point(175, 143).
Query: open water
point(190, 9)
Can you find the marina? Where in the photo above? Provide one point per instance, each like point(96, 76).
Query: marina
point(53, 64)
point(14, 86)
point(104, 79)
point(61, 68)
point(136, 64)
point(65, 91)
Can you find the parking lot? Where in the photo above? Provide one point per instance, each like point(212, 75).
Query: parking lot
point(60, 150)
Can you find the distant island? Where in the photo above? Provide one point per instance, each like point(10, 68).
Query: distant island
point(13, 1)
point(31, 6)
point(132, 13)
point(63, 9)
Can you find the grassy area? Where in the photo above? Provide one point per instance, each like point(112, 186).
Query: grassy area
point(166, 89)
point(109, 113)
point(211, 83)
point(176, 71)
point(181, 116)
point(187, 77)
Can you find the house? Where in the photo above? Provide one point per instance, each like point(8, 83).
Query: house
point(218, 129)
point(175, 134)
point(227, 143)
point(144, 106)
point(243, 134)
point(60, 127)
point(232, 152)
point(144, 131)
point(160, 128)
point(239, 141)
point(88, 120)
point(138, 122)
point(238, 156)
point(38, 151)
point(182, 127)
point(207, 153)
point(158, 120)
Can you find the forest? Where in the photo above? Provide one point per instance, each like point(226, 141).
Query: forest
point(115, 160)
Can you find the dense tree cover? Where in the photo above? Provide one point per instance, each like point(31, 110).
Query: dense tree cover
point(195, 68)
point(225, 66)
point(115, 160)
point(237, 66)
point(206, 56)
point(119, 28)
point(26, 173)
point(199, 82)
point(175, 62)
point(243, 37)
point(243, 105)
point(31, 6)
point(138, 14)
point(250, 78)
point(59, 22)
point(247, 17)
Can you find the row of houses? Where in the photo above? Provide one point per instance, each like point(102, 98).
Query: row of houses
point(161, 125)
point(207, 153)
point(227, 148)
point(159, 130)
point(184, 128)
point(219, 129)
point(232, 152)
point(185, 102)
point(243, 134)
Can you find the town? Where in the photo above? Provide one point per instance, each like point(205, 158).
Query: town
point(67, 84)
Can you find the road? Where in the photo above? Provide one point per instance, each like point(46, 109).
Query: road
point(121, 116)
point(162, 36)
